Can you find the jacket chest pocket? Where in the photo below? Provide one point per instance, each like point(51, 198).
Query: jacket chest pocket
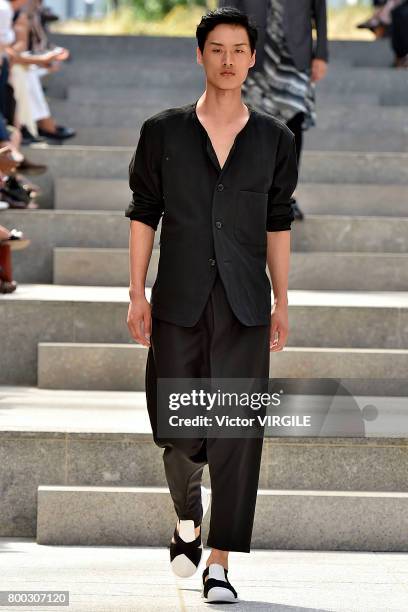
point(250, 217)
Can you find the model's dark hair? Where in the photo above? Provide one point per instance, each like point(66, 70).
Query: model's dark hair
point(227, 14)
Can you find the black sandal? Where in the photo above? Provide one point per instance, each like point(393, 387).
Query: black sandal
point(217, 588)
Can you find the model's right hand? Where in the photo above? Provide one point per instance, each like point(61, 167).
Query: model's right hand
point(139, 320)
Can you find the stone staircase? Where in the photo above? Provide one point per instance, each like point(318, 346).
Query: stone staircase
point(78, 462)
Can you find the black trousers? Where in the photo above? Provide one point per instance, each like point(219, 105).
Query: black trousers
point(218, 346)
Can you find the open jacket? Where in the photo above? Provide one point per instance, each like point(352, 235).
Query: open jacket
point(213, 218)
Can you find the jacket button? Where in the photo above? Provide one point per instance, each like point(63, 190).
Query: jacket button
point(212, 262)
point(220, 187)
point(218, 224)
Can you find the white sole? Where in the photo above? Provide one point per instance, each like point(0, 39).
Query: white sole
point(183, 567)
point(220, 595)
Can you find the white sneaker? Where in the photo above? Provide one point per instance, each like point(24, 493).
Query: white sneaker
point(187, 549)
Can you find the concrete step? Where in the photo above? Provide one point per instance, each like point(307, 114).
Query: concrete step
point(93, 46)
point(130, 579)
point(325, 198)
point(344, 80)
point(349, 52)
point(79, 228)
point(121, 367)
point(91, 114)
point(102, 267)
point(314, 520)
point(57, 313)
point(372, 54)
point(70, 161)
point(144, 98)
point(86, 229)
point(364, 119)
point(54, 438)
point(335, 139)
point(361, 200)
point(356, 168)
point(149, 73)
point(315, 139)
point(164, 72)
point(386, 98)
point(317, 166)
point(92, 194)
point(349, 271)
point(173, 96)
point(311, 270)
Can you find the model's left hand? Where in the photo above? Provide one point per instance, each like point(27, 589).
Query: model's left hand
point(319, 70)
point(279, 325)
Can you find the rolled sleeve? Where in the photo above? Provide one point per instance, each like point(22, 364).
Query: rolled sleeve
point(280, 214)
point(147, 203)
point(319, 14)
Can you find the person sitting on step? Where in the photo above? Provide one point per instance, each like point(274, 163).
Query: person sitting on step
point(10, 240)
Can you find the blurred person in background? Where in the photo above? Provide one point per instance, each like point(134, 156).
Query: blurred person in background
point(10, 240)
point(391, 20)
point(12, 192)
point(288, 64)
point(380, 22)
point(7, 37)
point(30, 59)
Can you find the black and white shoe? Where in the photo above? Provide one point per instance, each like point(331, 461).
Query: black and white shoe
point(187, 549)
point(217, 588)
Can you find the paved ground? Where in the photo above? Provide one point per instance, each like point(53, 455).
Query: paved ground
point(135, 579)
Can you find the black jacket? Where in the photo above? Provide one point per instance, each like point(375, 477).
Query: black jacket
point(299, 16)
point(213, 218)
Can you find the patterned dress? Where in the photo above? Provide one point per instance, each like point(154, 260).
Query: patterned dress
point(279, 88)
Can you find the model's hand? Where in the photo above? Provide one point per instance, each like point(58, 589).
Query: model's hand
point(139, 320)
point(319, 70)
point(279, 327)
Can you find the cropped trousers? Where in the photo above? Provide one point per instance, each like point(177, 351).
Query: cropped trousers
point(220, 346)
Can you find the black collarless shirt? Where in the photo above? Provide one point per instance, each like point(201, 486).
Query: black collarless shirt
point(213, 218)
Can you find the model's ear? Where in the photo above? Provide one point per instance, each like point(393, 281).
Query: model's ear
point(253, 60)
point(199, 56)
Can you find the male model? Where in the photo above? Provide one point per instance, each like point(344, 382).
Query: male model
point(222, 175)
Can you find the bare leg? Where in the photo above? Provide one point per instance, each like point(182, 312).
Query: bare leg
point(48, 123)
point(6, 273)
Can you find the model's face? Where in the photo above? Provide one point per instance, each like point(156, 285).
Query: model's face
point(227, 56)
